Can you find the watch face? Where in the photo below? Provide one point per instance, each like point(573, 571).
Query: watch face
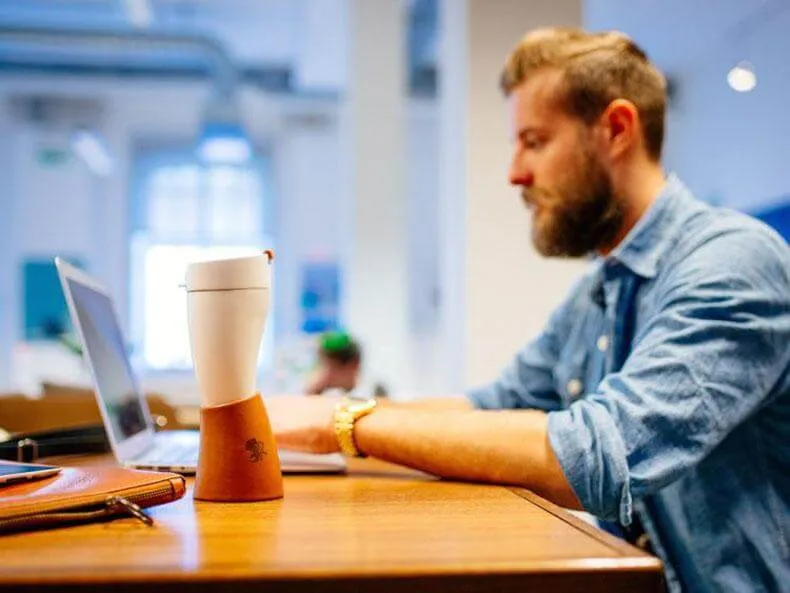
point(356, 406)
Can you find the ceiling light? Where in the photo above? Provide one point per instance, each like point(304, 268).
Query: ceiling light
point(223, 144)
point(222, 138)
point(742, 78)
point(139, 13)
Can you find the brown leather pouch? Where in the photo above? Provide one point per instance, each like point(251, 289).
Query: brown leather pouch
point(78, 495)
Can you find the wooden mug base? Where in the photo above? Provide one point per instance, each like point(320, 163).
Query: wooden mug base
point(238, 454)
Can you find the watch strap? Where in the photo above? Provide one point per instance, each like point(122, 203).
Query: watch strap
point(347, 412)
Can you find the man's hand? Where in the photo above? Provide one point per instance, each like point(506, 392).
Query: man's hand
point(303, 423)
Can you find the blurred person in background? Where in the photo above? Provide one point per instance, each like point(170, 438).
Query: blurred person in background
point(339, 368)
point(339, 364)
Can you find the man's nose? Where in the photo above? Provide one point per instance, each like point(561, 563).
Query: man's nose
point(520, 173)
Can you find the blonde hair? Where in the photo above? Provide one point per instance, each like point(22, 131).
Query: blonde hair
point(597, 68)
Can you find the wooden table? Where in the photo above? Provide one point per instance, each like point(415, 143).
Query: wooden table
point(381, 528)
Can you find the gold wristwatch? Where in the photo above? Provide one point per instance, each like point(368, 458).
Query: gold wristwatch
point(347, 412)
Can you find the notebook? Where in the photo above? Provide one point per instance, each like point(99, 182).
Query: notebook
point(124, 410)
point(81, 495)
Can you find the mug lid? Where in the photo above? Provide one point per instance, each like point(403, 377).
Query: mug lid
point(230, 274)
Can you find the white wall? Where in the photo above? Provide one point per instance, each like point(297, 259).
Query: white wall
point(509, 289)
point(422, 148)
point(426, 356)
point(309, 200)
point(47, 208)
point(8, 319)
point(374, 129)
point(67, 210)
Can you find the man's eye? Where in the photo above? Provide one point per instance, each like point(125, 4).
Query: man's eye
point(534, 144)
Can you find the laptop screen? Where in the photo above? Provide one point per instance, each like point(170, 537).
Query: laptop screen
point(104, 343)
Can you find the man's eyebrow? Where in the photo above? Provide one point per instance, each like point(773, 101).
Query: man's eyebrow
point(527, 130)
point(528, 133)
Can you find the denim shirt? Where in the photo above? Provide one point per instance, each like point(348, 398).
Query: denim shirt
point(666, 378)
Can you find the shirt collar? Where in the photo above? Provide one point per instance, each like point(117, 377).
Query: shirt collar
point(651, 236)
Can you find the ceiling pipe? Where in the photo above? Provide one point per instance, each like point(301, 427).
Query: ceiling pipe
point(222, 137)
point(223, 71)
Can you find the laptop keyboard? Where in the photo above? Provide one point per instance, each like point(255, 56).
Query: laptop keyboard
point(172, 454)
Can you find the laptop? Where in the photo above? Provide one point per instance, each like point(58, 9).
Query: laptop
point(124, 410)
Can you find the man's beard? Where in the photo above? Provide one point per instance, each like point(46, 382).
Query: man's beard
point(579, 217)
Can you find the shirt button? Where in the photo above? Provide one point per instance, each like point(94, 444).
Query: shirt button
point(574, 387)
point(602, 343)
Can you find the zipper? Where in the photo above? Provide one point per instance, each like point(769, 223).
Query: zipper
point(113, 504)
point(133, 509)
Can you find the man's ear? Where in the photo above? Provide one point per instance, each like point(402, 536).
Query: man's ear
point(622, 127)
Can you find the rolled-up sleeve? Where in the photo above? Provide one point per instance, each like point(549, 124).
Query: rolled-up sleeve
point(706, 359)
point(592, 454)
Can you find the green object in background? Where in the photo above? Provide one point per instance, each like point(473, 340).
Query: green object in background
point(46, 315)
point(334, 341)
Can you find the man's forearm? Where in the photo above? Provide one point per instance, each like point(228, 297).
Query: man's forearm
point(505, 447)
point(441, 402)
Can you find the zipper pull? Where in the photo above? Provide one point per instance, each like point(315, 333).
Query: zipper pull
point(124, 504)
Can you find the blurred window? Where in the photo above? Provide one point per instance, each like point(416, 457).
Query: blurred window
point(183, 212)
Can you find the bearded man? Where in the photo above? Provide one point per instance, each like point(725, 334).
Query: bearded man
point(657, 398)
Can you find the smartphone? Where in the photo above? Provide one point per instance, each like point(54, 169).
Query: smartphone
point(12, 472)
